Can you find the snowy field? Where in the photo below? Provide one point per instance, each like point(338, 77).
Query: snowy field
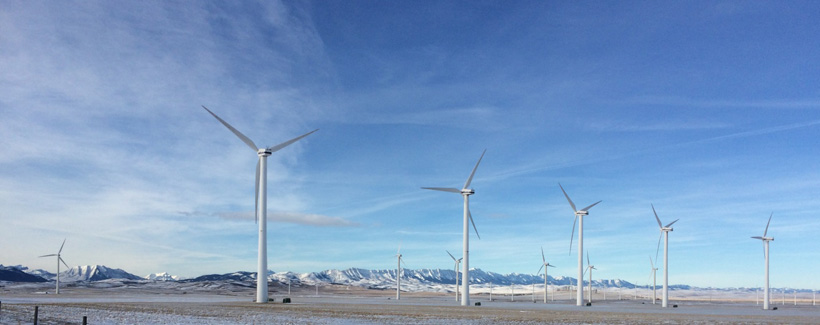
point(353, 305)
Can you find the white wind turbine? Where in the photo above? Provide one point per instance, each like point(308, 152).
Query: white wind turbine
point(59, 259)
point(766, 241)
point(664, 230)
point(654, 269)
point(457, 262)
point(261, 199)
point(465, 191)
point(544, 265)
point(399, 262)
point(579, 216)
point(590, 267)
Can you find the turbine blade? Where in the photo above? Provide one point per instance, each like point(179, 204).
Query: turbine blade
point(550, 265)
point(656, 216)
point(590, 206)
point(651, 262)
point(767, 225)
point(61, 247)
point(48, 255)
point(539, 269)
point(61, 260)
point(443, 189)
point(572, 234)
point(289, 142)
point(588, 263)
point(399, 251)
point(235, 131)
point(568, 199)
point(451, 255)
point(543, 259)
point(755, 237)
point(470, 179)
point(670, 224)
point(657, 250)
point(470, 215)
point(256, 195)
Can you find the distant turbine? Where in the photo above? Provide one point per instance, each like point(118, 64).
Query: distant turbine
point(590, 267)
point(465, 191)
point(766, 241)
point(261, 199)
point(544, 265)
point(59, 259)
point(664, 231)
point(399, 262)
point(457, 262)
point(579, 216)
point(651, 263)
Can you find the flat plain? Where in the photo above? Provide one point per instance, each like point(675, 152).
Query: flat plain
point(142, 304)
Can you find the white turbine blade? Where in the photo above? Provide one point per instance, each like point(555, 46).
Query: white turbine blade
point(48, 255)
point(235, 131)
point(256, 195)
point(451, 255)
point(767, 225)
point(470, 179)
point(289, 142)
point(657, 250)
point(550, 265)
point(443, 189)
point(470, 215)
point(61, 247)
point(543, 259)
point(572, 234)
point(755, 237)
point(539, 269)
point(670, 224)
point(64, 263)
point(656, 216)
point(399, 251)
point(568, 199)
point(651, 262)
point(588, 263)
point(590, 206)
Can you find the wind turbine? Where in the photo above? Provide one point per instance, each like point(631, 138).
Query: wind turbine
point(654, 297)
point(590, 267)
point(664, 231)
point(261, 199)
point(398, 273)
point(465, 191)
point(544, 265)
point(59, 259)
point(766, 241)
point(457, 262)
point(579, 216)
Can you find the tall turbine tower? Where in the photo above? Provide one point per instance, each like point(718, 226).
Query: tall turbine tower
point(457, 262)
point(399, 262)
point(579, 217)
point(590, 267)
point(261, 199)
point(766, 241)
point(664, 231)
point(465, 191)
point(544, 265)
point(60, 259)
point(654, 269)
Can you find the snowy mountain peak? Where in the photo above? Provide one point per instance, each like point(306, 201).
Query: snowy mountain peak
point(164, 276)
point(95, 273)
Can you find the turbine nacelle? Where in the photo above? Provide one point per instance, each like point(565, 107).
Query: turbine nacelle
point(264, 152)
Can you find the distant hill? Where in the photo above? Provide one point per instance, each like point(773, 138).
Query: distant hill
point(18, 274)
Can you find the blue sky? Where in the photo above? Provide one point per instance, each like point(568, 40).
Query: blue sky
point(708, 110)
